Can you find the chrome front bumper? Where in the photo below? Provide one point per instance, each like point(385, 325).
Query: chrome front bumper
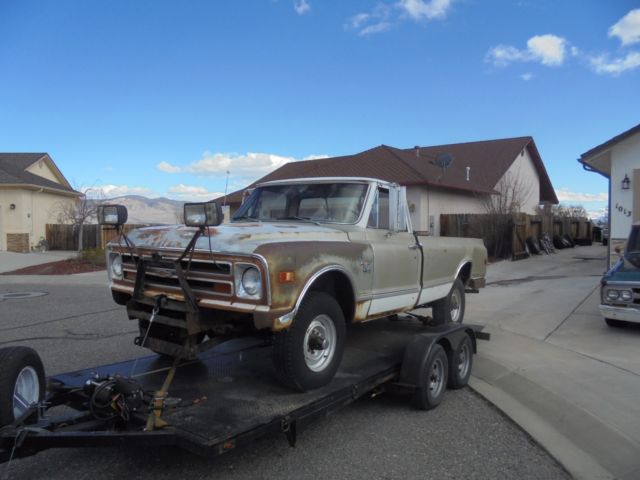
point(627, 314)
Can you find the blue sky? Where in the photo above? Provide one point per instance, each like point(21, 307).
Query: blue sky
point(162, 98)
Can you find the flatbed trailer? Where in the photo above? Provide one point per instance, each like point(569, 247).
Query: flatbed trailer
point(230, 395)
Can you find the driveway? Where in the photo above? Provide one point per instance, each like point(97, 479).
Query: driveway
point(555, 367)
point(10, 261)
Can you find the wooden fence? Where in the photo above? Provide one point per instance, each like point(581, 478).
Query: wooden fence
point(505, 235)
point(65, 237)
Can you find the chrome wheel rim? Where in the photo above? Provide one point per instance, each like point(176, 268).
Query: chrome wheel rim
point(436, 378)
point(26, 391)
point(455, 306)
point(321, 329)
point(463, 360)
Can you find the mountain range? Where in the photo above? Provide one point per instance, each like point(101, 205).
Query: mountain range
point(150, 210)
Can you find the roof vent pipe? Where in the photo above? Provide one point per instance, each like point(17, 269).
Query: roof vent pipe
point(417, 149)
point(468, 173)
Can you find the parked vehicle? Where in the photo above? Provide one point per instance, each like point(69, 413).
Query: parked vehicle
point(300, 260)
point(620, 286)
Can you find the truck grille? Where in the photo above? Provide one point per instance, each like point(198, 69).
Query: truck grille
point(204, 276)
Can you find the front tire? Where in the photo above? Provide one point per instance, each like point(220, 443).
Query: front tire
point(308, 354)
point(21, 382)
point(450, 308)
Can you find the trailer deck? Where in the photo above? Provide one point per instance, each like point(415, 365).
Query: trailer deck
point(231, 395)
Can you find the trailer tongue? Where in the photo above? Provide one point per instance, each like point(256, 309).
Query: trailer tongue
point(229, 395)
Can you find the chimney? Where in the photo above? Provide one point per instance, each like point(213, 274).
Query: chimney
point(468, 173)
point(417, 149)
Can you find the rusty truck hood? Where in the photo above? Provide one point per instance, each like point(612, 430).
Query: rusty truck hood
point(234, 237)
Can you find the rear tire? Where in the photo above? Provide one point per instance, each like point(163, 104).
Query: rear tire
point(22, 382)
point(432, 381)
point(450, 308)
point(460, 364)
point(302, 359)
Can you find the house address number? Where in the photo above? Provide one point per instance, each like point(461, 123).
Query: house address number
point(624, 211)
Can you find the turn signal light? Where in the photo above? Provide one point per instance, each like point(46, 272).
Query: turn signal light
point(287, 277)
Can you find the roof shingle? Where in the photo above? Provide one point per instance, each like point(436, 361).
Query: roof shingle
point(488, 161)
point(12, 171)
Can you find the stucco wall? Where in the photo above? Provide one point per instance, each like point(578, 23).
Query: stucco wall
point(425, 202)
point(524, 173)
point(625, 158)
point(42, 169)
point(34, 209)
point(432, 201)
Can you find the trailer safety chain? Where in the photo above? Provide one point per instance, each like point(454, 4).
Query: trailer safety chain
point(21, 434)
point(160, 301)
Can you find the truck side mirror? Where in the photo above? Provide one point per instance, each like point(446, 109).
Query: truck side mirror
point(115, 215)
point(397, 208)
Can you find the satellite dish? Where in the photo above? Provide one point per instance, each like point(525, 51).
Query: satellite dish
point(443, 160)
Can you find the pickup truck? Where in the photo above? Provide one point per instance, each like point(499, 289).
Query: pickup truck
point(620, 286)
point(299, 260)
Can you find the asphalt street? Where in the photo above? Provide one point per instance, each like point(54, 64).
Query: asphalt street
point(76, 326)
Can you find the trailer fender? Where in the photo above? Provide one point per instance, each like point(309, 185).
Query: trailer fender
point(418, 349)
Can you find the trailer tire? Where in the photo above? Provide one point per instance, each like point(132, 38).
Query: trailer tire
point(450, 308)
point(432, 381)
point(21, 382)
point(297, 363)
point(460, 364)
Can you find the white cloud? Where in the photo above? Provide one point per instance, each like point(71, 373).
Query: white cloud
point(243, 168)
point(251, 163)
point(368, 23)
point(526, 76)
point(627, 29)
point(565, 195)
point(604, 65)
point(425, 9)
point(167, 167)
point(385, 15)
point(111, 191)
point(301, 6)
point(375, 28)
point(191, 192)
point(546, 49)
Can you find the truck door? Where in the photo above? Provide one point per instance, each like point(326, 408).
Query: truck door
point(396, 260)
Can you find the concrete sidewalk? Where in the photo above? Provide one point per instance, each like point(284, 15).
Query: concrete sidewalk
point(10, 261)
point(555, 367)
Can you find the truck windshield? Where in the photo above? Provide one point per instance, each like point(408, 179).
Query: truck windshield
point(315, 202)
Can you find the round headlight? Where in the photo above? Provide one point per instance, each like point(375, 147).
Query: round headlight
point(116, 266)
point(625, 295)
point(612, 295)
point(251, 281)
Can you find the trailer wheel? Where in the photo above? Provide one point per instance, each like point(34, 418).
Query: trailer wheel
point(308, 353)
point(21, 382)
point(460, 364)
point(451, 307)
point(433, 379)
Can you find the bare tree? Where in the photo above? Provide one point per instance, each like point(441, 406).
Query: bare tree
point(569, 211)
point(501, 208)
point(79, 212)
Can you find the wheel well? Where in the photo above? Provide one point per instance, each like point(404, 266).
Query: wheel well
point(465, 273)
point(339, 286)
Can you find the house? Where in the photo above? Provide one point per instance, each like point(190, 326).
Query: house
point(477, 171)
point(618, 159)
point(32, 189)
